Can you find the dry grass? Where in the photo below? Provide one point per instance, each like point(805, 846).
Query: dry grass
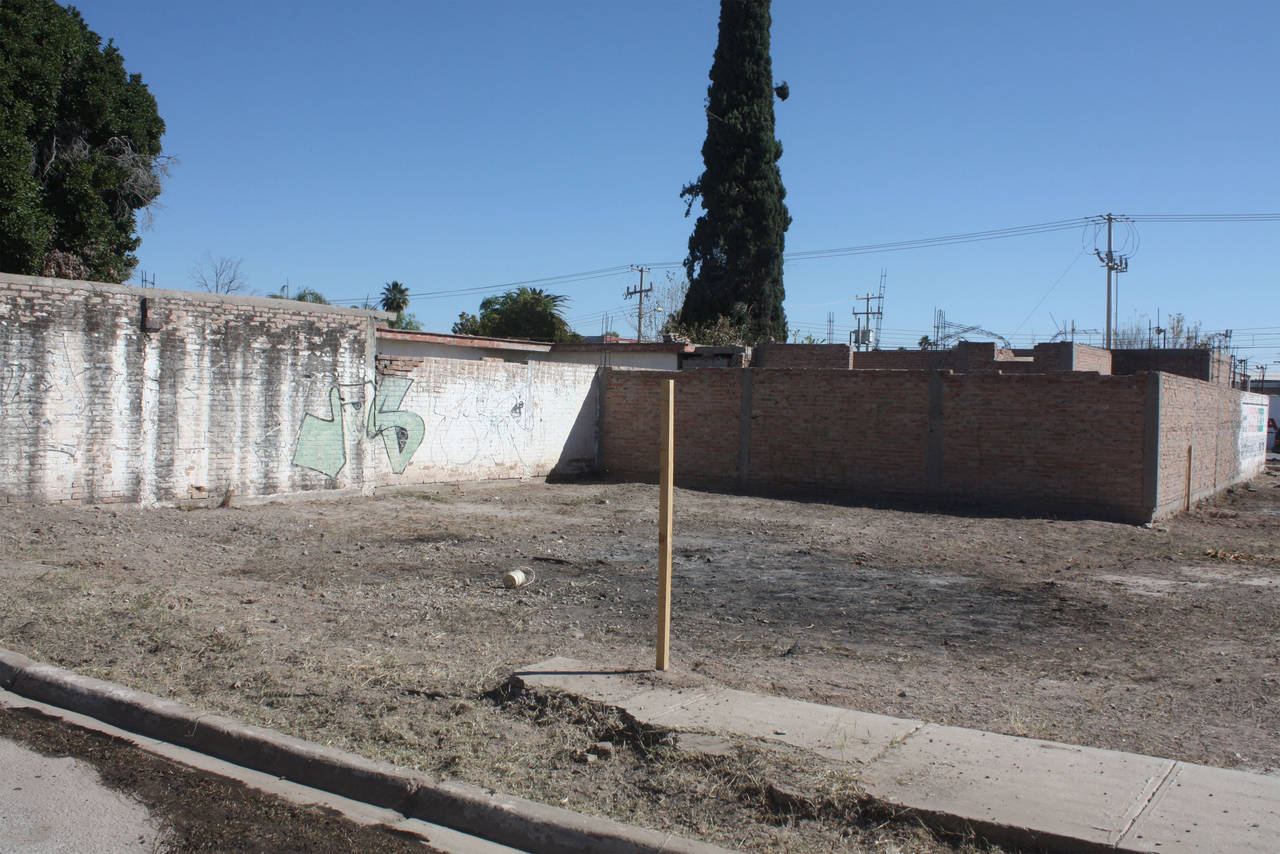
point(381, 626)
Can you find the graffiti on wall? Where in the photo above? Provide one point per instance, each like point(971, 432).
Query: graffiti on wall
point(479, 422)
point(322, 439)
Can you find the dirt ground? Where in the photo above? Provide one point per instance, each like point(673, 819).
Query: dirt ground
point(380, 625)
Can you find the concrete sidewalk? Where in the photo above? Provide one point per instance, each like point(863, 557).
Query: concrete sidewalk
point(1019, 790)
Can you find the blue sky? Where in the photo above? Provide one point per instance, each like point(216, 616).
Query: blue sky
point(471, 145)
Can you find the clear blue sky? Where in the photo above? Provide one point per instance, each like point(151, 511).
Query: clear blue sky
point(470, 145)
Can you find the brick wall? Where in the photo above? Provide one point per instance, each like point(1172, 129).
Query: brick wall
point(828, 356)
point(116, 393)
point(1069, 356)
point(1060, 441)
point(903, 360)
point(1040, 443)
point(851, 430)
point(708, 415)
point(1111, 447)
point(1201, 364)
point(1215, 432)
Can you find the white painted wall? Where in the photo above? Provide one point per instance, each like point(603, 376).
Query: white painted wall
point(1273, 423)
point(1252, 438)
point(494, 420)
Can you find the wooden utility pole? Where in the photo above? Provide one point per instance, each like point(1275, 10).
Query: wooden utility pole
point(666, 469)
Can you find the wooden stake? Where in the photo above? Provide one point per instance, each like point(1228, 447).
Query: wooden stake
point(666, 469)
point(1188, 478)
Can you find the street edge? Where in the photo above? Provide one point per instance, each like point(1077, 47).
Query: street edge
point(505, 819)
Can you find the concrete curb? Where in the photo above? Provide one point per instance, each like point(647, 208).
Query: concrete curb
point(508, 820)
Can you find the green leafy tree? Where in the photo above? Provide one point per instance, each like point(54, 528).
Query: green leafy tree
point(80, 147)
point(734, 263)
point(405, 321)
point(523, 313)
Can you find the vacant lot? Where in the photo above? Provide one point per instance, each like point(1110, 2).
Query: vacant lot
point(381, 625)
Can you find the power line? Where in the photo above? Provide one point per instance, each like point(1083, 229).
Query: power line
point(865, 249)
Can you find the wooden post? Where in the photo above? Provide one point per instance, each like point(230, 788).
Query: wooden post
point(1188, 477)
point(666, 469)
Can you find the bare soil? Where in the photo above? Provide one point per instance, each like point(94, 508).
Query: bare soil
point(381, 625)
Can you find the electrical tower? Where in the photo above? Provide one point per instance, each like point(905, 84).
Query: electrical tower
point(639, 291)
point(946, 333)
point(865, 335)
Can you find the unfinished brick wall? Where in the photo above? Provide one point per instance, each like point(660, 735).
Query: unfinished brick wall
point(1086, 358)
point(1201, 364)
point(1215, 433)
point(902, 360)
point(1111, 447)
point(1069, 356)
point(852, 430)
point(1063, 441)
point(708, 415)
point(116, 393)
point(1041, 443)
point(826, 356)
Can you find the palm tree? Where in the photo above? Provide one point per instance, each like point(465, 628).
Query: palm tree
point(395, 297)
point(553, 304)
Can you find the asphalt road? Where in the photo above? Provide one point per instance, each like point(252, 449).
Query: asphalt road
point(64, 788)
point(50, 805)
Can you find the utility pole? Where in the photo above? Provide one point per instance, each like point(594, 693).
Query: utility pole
point(639, 291)
point(864, 334)
point(1114, 264)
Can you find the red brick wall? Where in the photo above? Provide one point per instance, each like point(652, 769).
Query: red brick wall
point(1063, 440)
point(1086, 358)
point(398, 366)
point(1201, 364)
point(1206, 418)
point(903, 360)
point(1038, 443)
point(859, 430)
point(1069, 356)
point(829, 356)
point(708, 411)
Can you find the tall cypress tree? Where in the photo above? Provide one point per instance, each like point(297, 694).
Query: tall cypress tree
point(735, 252)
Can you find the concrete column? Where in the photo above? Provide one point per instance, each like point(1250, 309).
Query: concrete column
point(1151, 445)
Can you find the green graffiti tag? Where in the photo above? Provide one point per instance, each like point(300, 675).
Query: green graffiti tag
point(401, 432)
point(321, 441)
